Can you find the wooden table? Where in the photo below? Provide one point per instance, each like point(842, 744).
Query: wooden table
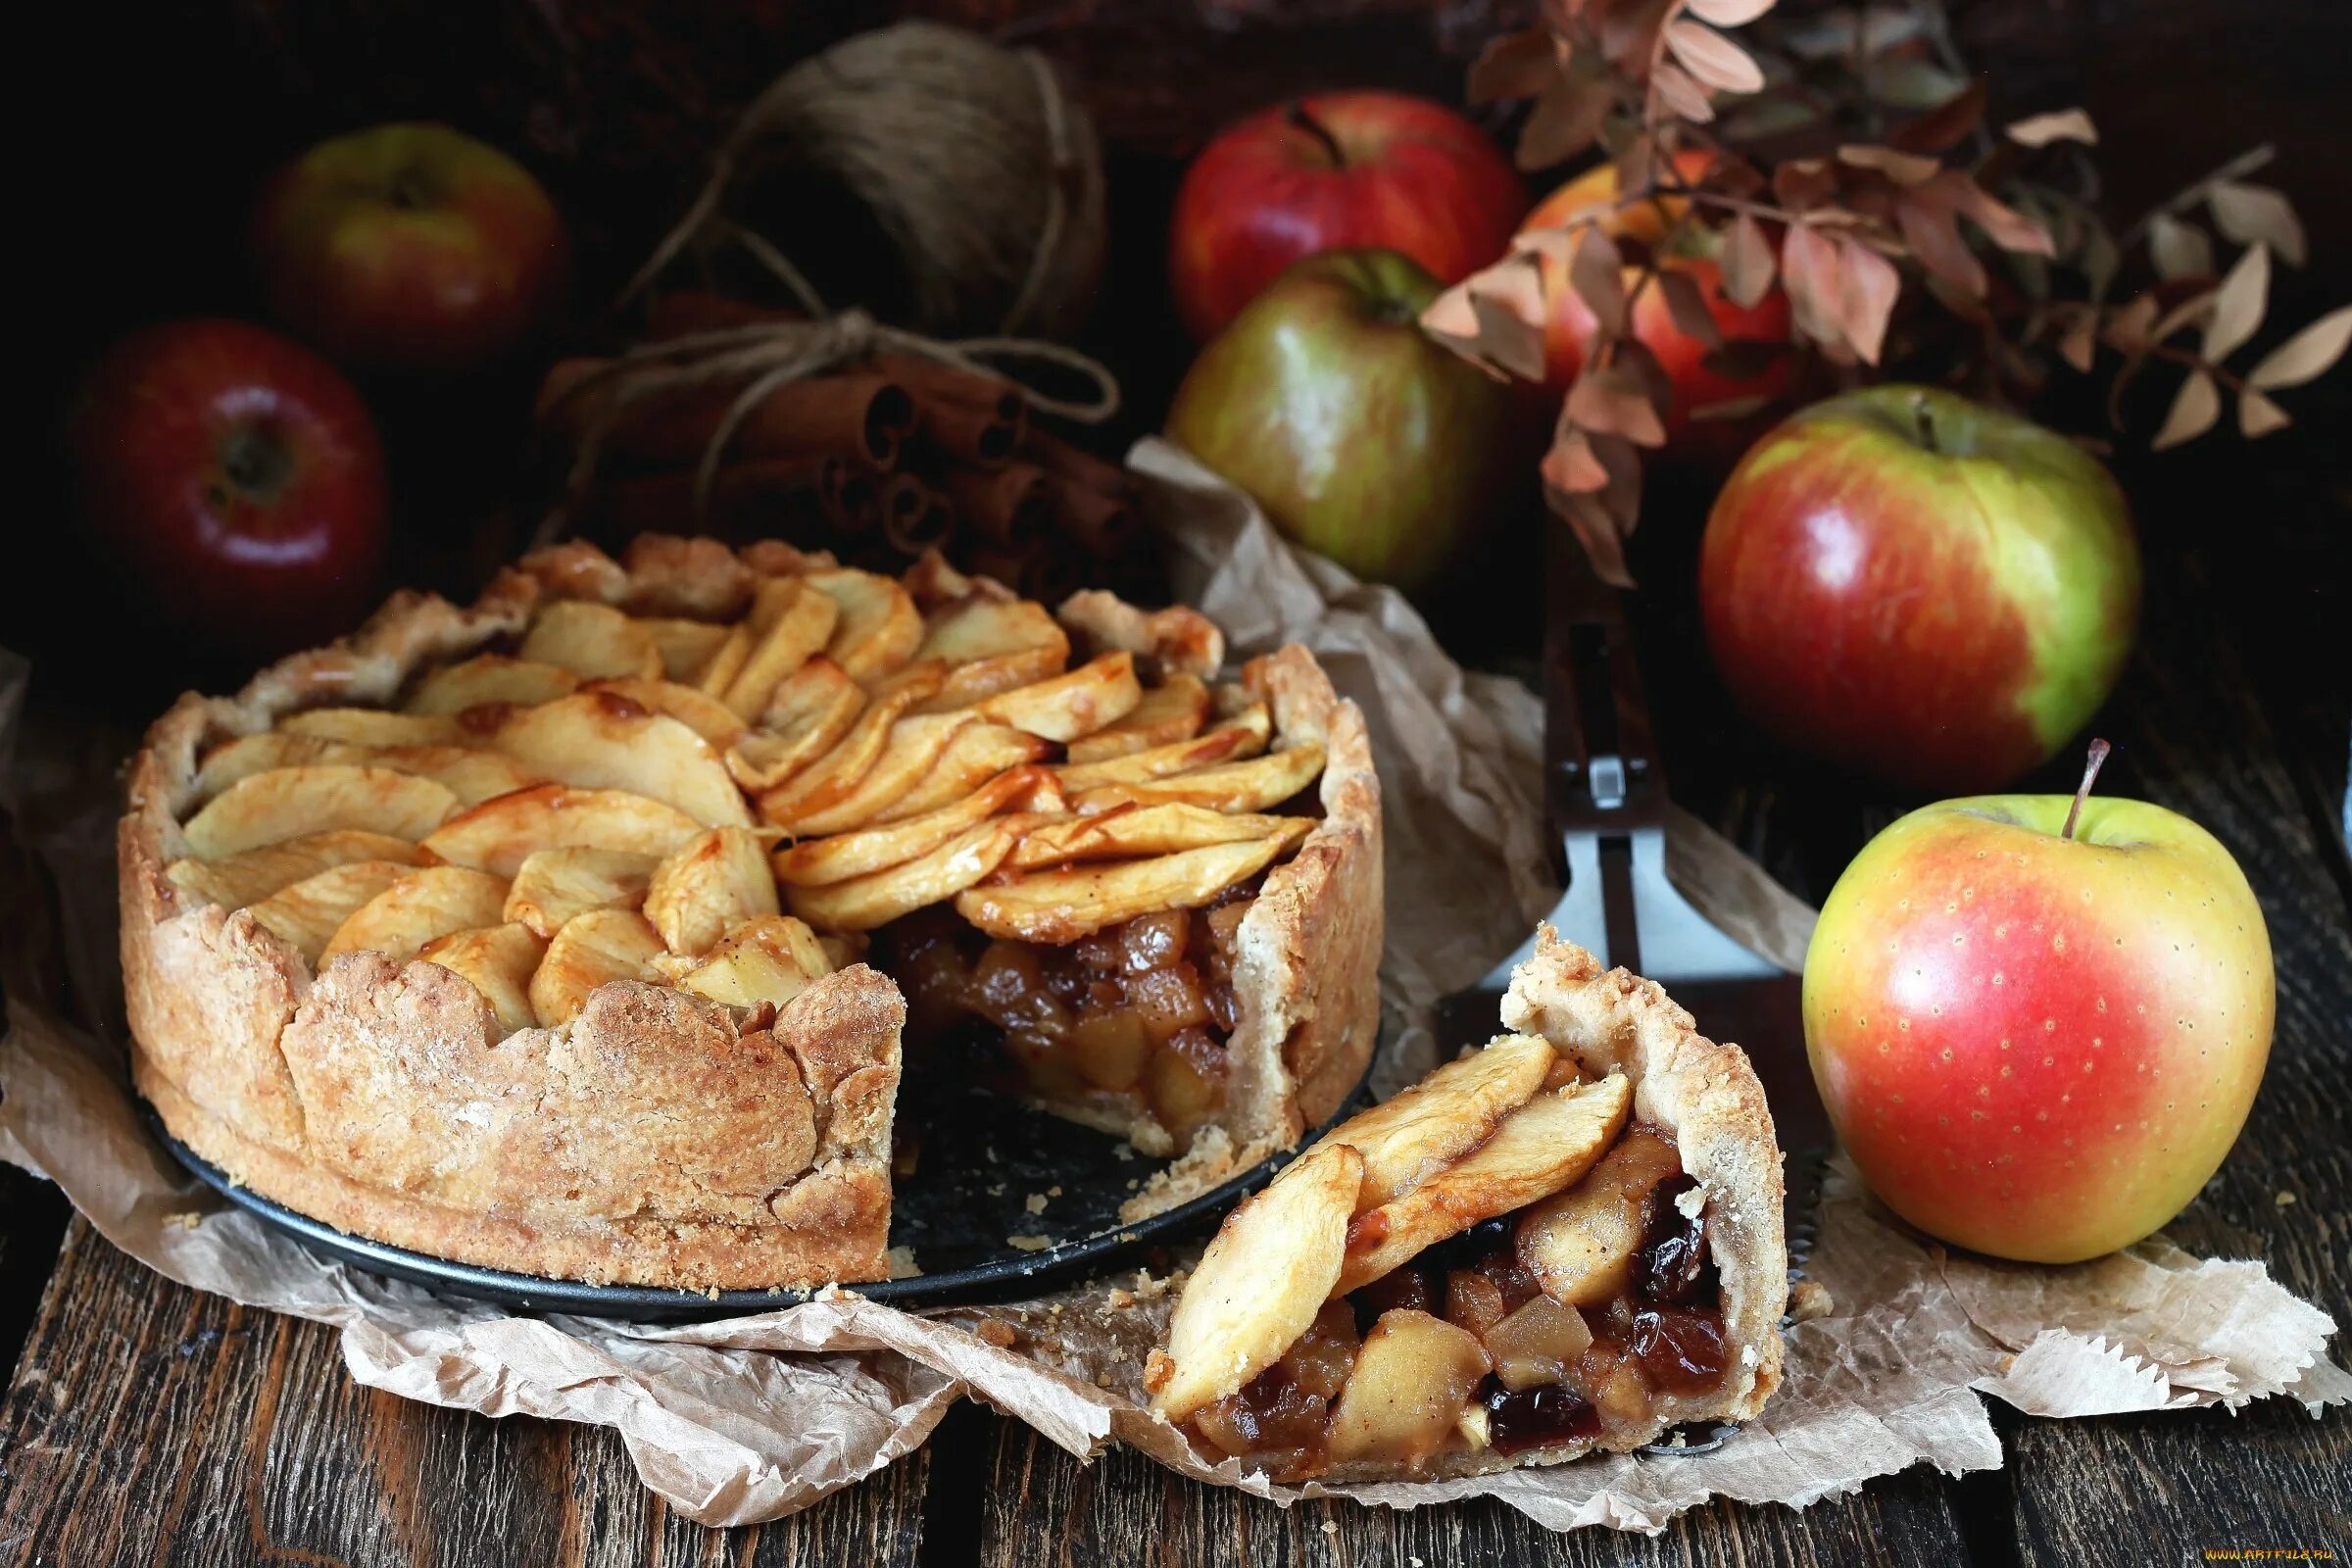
point(146, 1423)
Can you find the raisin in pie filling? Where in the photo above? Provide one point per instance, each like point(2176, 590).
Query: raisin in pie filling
point(1507, 1263)
point(560, 932)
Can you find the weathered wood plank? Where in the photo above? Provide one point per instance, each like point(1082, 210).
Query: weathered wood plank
point(1042, 1507)
point(150, 1423)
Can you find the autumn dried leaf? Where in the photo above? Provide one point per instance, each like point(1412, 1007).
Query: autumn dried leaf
point(1597, 530)
point(1597, 274)
point(1748, 265)
point(2238, 304)
point(2004, 226)
point(2195, 408)
point(1728, 12)
point(1868, 290)
point(2179, 249)
point(1515, 65)
point(1944, 125)
point(1612, 401)
point(1687, 303)
point(2251, 214)
point(2062, 124)
point(2258, 415)
point(1681, 92)
point(1507, 300)
point(1803, 182)
point(1567, 116)
point(1905, 169)
point(1453, 321)
point(1932, 230)
point(2308, 353)
point(1905, 82)
point(1713, 59)
point(1571, 464)
point(1809, 268)
point(2079, 344)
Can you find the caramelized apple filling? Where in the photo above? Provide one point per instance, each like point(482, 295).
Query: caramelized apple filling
point(1134, 1016)
point(1561, 1323)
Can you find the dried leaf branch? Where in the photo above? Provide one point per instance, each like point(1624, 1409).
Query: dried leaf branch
point(1840, 156)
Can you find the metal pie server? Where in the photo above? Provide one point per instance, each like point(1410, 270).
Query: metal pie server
point(1604, 795)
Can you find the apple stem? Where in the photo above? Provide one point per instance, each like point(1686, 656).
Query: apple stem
point(2098, 757)
point(1926, 438)
point(1299, 116)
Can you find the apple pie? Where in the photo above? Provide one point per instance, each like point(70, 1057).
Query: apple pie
point(588, 931)
point(1568, 1241)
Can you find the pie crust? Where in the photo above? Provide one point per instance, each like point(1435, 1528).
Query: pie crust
point(1256, 1367)
point(657, 1136)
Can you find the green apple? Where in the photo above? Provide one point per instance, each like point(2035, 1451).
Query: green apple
point(1359, 436)
point(2038, 1021)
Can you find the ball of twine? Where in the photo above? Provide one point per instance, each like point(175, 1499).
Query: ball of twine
point(975, 164)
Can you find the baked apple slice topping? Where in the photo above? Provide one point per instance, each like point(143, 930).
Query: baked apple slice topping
point(1524, 1267)
point(1054, 847)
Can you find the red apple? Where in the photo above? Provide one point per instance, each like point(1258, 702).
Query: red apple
point(235, 476)
point(1343, 169)
point(409, 247)
point(1360, 436)
point(1905, 582)
point(1568, 323)
point(2034, 1041)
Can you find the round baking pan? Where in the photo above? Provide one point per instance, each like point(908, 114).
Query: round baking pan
point(1003, 1202)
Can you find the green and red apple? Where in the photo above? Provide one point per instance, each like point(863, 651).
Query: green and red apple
point(2039, 1037)
point(409, 247)
point(1910, 584)
point(1358, 434)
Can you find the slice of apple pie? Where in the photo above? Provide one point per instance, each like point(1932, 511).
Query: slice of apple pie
point(1570, 1239)
point(575, 931)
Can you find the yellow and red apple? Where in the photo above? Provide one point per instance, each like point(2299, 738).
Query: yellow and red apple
point(1335, 172)
point(2037, 1044)
point(409, 247)
point(1907, 583)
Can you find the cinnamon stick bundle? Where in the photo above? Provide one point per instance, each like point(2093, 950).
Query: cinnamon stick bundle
point(914, 517)
point(862, 414)
point(1009, 508)
point(885, 460)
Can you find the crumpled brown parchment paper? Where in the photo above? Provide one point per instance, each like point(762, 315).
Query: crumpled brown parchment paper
point(753, 1417)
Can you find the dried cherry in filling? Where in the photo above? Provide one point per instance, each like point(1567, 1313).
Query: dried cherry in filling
point(1537, 1417)
point(1682, 1352)
point(1672, 1266)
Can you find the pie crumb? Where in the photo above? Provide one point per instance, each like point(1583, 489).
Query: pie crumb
point(902, 1265)
point(1004, 1336)
point(1035, 1203)
point(1809, 1300)
point(1329, 1527)
point(1030, 1244)
point(2284, 1199)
